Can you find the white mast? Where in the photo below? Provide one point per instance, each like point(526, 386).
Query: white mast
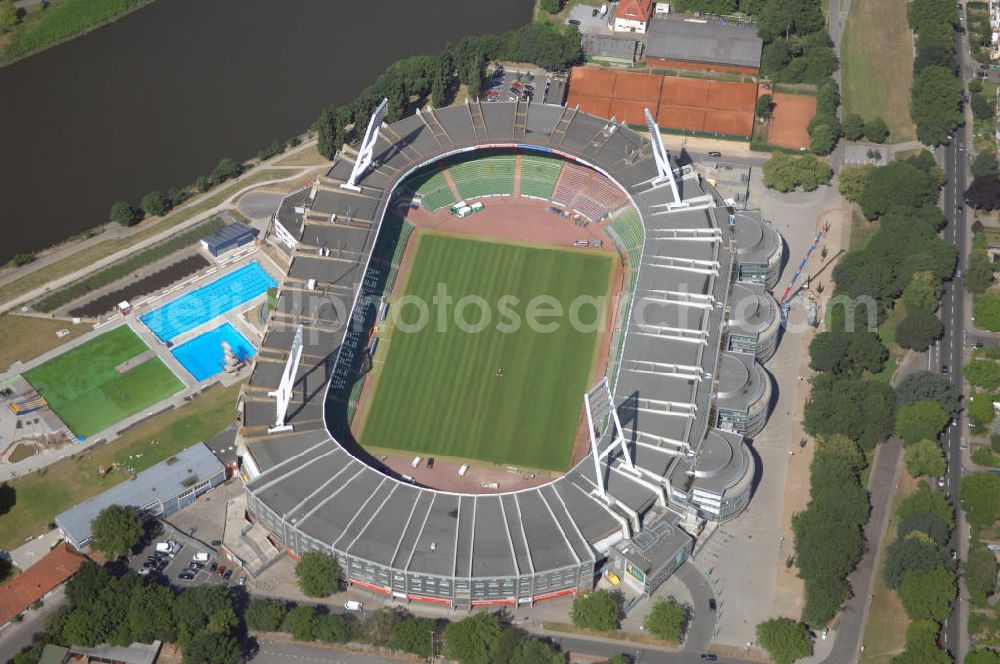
point(367, 147)
point(284, 391)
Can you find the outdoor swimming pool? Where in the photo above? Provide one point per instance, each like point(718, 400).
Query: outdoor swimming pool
point(203, 356)
point(202, 305)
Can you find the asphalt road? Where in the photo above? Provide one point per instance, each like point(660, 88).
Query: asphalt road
point(950, 350)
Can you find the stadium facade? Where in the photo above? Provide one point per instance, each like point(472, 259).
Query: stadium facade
point(687, 399)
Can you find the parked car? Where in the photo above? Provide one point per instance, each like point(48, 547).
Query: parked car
point(573, 21)
point(708, 657)
point(941, 482)
point(228, 574)
point(353, 606)
point(213, 566)
point(221, 570)
point(242, 581)
point(711, 604)
point(714, 153)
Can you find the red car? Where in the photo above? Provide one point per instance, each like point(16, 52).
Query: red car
point(221, 570)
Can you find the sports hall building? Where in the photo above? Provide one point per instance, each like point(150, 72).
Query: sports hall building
point(686, 376)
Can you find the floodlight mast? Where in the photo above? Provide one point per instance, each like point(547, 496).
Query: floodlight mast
point(367, 147)
point(599, 405)
point(284, 392)
point(663, 169)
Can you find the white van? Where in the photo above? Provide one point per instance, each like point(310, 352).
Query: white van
point(200, 557)
point(353, 606)
point(415, 462)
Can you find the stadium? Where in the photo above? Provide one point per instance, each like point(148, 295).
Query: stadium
point(559, 454)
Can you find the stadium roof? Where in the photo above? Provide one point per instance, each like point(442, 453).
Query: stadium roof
point(708, 42)
point(161, 482)
point(317, 483)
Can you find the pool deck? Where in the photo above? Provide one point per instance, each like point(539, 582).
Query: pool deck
point(191, 387)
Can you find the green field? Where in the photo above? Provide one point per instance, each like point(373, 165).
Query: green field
point(88, 393)
point(438, 392)
point(877, 65)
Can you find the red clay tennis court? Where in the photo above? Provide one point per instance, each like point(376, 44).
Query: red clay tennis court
point(685, 104)
point(790, 120)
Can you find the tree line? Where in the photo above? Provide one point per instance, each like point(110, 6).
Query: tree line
point(412, 82)
point(936, 93)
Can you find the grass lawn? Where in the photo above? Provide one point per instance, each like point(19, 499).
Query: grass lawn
point(862, 231)
point(438, 392)
point(887, 332)
point(62, 20)
point(877, 65)
point(89, 394)
point(885, 634)
point(44, 494)
point(26, 337)
point(90, 255)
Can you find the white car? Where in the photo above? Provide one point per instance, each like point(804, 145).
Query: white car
point(353, 606)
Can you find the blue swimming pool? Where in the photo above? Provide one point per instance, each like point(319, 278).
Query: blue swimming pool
point(202, 305)
point(203, 356)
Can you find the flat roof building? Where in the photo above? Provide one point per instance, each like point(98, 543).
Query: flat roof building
point(231, 237)
point(618, 51)
point(703, 44)
point(161, 490)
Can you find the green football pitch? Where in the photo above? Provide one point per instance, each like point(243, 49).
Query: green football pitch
point(439, 392)
point(89, 394)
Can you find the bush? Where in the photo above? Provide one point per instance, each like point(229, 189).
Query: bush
point(854, 127)
point(20, 260)
point(982, 456)
point(876, 130)
point(666, 621)
point(203, 184)
point(125, 214)
point(986, 309)
point(301, 623)
point(598, 610)
point(551, 6)
point(982, 109)
point(226, 169)
point(985, 165)
point(764, 107)
point(265, 615)
point(785, 639)
point(918, 330)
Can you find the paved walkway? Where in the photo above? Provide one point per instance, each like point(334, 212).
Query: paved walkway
point(70, 249)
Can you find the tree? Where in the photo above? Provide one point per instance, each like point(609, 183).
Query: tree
point(978, 272)
point(854, 127)
point(921, 420)
point(380, 627)
point(984, 193)
point(301, 623)
point(785, 173)
point(981, 573)
point(318, 574)
point(916, 553)
point(598, 610)
point(666, 621)
point(822, 139)
point(860, 409)
point(847, 352)
point(116, 530)
point(899, 184)
point(531, 650)
point(935, 102)
point(226, 169)
point(202, 183)
point(921, 642)
point(852, 180)
point(155, 204)
point(980, 498)
point(472, 640)
point(924, 458)
point(923, 293)
point(983, 373)
point(981, 410)
point(923, 522)
point(332, 628)
point(918, 330)
point(125, 214)
point(928, 595)
point(985, 165)
point(151, 614)
point(982, 109)
point(81, 629)
point(927, 501)
point(876, 130)
point(618, 659)
point(986, 309)
point(764, 107)
point(414, 635)
point(265, 615)
point(785, 639)
point(208, 648)
point(195, 608)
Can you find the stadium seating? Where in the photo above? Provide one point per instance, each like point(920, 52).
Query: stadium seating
point(627, 232)
point(539, 175)
point(588, 192)
point(433, 189)
point(487, 176)
point(571, 179)
point(397, 256)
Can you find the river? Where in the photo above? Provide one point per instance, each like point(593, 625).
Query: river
point(157, 98)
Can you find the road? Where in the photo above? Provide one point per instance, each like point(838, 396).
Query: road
point(19, 635)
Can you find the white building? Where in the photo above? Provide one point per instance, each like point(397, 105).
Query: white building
point(633, 15)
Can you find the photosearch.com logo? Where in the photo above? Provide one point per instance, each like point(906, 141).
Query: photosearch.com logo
point(543, 314)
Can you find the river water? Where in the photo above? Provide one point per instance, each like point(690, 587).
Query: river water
point(155, 99)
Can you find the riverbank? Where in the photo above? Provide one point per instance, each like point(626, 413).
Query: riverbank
point(44, 27)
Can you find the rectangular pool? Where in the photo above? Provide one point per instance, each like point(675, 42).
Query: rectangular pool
point(202, 305)
point(203, 356)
